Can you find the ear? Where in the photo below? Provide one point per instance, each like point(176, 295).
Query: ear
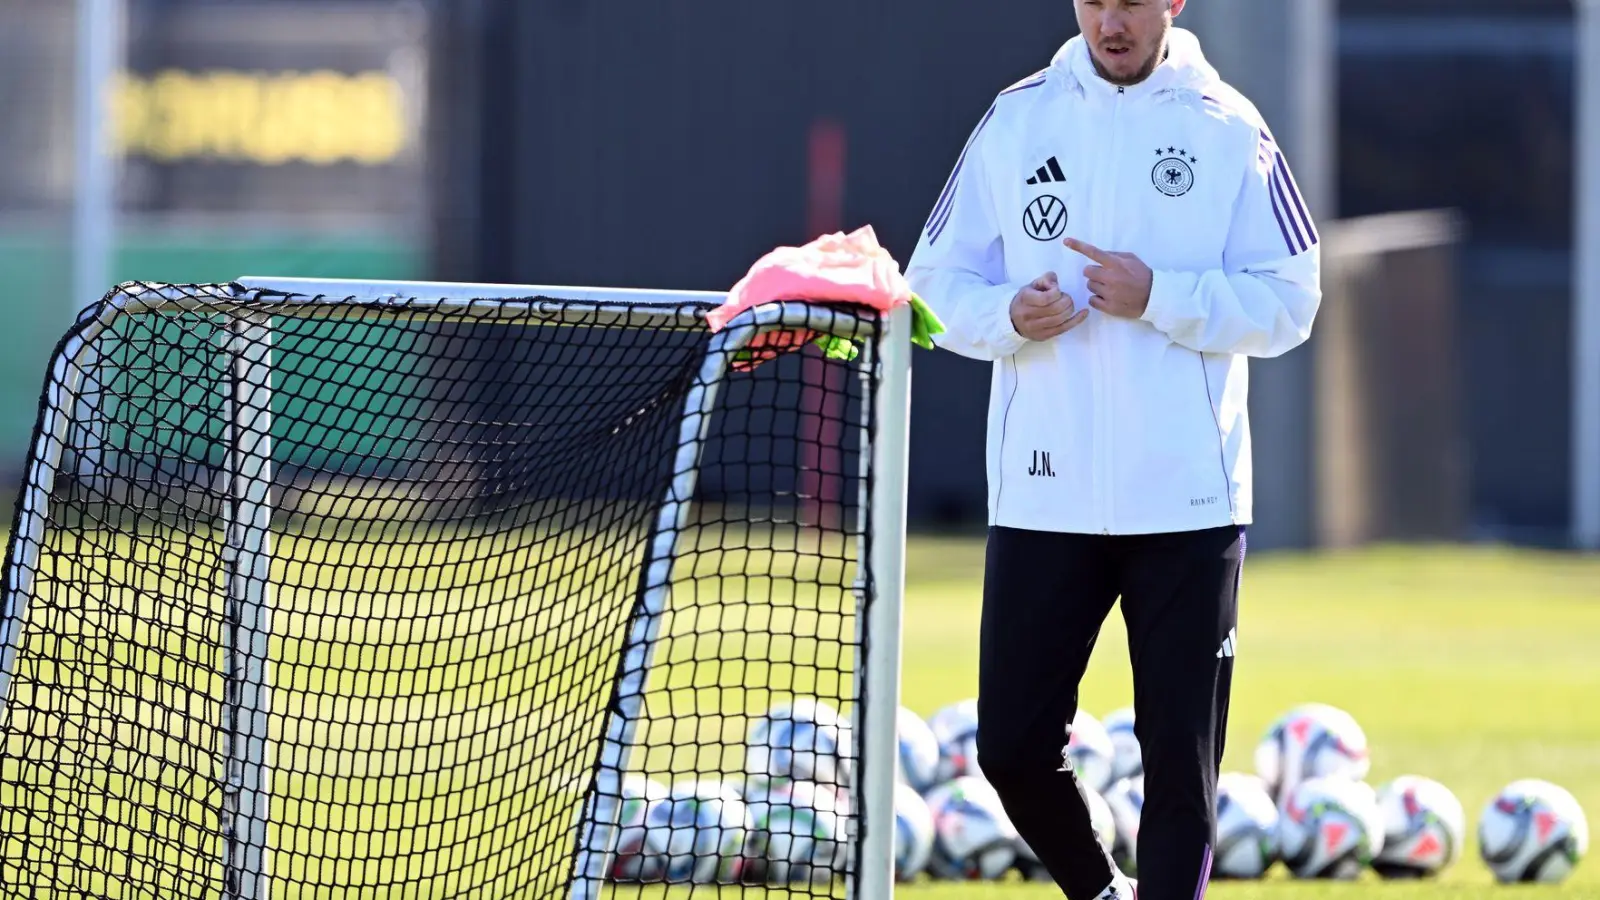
point(1177, 8)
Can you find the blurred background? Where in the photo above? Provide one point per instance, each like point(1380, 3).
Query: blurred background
point(669, 144)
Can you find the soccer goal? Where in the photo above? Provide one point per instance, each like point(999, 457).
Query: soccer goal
point(324, 589)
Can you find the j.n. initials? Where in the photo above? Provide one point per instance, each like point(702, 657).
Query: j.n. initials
point(1041, 465)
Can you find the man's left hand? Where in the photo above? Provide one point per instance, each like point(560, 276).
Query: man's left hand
point(1119, 282)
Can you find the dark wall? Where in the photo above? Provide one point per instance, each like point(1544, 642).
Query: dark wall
point(666, 144)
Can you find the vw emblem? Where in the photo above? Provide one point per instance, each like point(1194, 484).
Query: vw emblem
point(1045, 219)
point(1173, 177)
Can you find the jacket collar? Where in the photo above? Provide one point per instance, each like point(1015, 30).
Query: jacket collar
point(1185, 68)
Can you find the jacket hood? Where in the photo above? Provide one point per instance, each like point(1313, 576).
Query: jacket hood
point(1185, 67)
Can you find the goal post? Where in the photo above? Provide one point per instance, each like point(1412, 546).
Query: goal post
point(406, 587)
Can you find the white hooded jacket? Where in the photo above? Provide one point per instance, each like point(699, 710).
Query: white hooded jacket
point(1122, 426)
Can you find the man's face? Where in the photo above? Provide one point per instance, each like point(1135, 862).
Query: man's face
point(1126, 37)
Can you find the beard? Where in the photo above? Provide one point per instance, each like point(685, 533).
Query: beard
point(1157, 56)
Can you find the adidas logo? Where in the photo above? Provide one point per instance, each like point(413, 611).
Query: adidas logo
point(1049, 172)
point(1228, 644)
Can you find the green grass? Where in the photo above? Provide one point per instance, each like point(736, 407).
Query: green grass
point(1471, 666)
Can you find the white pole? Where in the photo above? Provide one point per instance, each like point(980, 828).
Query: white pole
point(94, 198)
point(1586, 296)
point(66, 380)
point(881, 703)
point(247, 701)
point(100, 38)
point(598, 827)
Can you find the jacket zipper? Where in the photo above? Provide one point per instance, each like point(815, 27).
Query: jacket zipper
point(1107, 238)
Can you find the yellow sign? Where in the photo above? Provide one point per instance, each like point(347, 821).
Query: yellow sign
point(265, 118)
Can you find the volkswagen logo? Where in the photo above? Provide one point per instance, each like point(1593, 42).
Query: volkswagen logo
point(1045, 219)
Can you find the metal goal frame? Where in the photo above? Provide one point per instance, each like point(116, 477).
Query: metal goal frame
point(246, 804)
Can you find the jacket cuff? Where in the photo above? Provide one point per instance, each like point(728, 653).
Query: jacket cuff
point(1168, 292)
point(998, 331)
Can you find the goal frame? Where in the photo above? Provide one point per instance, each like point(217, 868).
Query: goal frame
point(246, 805)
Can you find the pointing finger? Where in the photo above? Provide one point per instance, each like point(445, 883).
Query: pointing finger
point(1091, 251)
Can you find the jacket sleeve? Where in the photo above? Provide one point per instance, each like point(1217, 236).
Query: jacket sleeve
point(1263, 300)
point(959, 265)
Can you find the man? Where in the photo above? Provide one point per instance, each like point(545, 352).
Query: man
point(1119, 234)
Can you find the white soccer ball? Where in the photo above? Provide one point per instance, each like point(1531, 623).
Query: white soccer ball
point(955, 727)
point(694, 835)
point(1533, 831)
point(797, 834)
point(636, 794)
point(1090, 751)
point(1330, 828)
point(1126, 802)
point(919, 751)
point(800, 740)
point(913, 833)
point(1101, 818)
point(1127, 759)
point(1247, 827)
point(1423, 828)
point(1311, 741)
point(973, 837)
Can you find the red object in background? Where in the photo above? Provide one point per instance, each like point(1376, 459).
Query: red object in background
point(822, 404)
point(825, 179)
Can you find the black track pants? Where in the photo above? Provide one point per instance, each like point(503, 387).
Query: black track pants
point(1045, 596)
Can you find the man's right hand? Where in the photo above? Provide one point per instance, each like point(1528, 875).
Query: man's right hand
point(1041, 311)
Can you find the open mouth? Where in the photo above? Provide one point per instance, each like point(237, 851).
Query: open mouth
point(1116, 51)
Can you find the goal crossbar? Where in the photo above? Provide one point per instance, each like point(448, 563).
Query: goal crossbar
point(252, 303)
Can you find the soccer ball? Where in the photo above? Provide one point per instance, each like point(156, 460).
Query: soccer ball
point(696, 834)
point(1101, 819)
point(1330, 828)
point(801, 740)
point(1247, 827)
point(1423, 828)
point(973, 837)
point(1126, 802)
point(955, 727)
point(1090, 752)
point(798, 833)
point(637, 793)
point(1127, 760)
point(919, 750)
point(1533, 831)
point(1311, 741)
point(913, 832)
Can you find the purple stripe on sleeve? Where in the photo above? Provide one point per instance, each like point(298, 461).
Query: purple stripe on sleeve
point(941, 217)
point(1032, 81)
point(1294, 224)
point(1277, 212)
point(948, 195)
point(1205, 875)
point(1293, 191)
point(938, 227)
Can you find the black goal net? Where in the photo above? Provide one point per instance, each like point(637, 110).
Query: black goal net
point(430, 598)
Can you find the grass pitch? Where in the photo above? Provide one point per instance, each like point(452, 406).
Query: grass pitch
point(1472, 666)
